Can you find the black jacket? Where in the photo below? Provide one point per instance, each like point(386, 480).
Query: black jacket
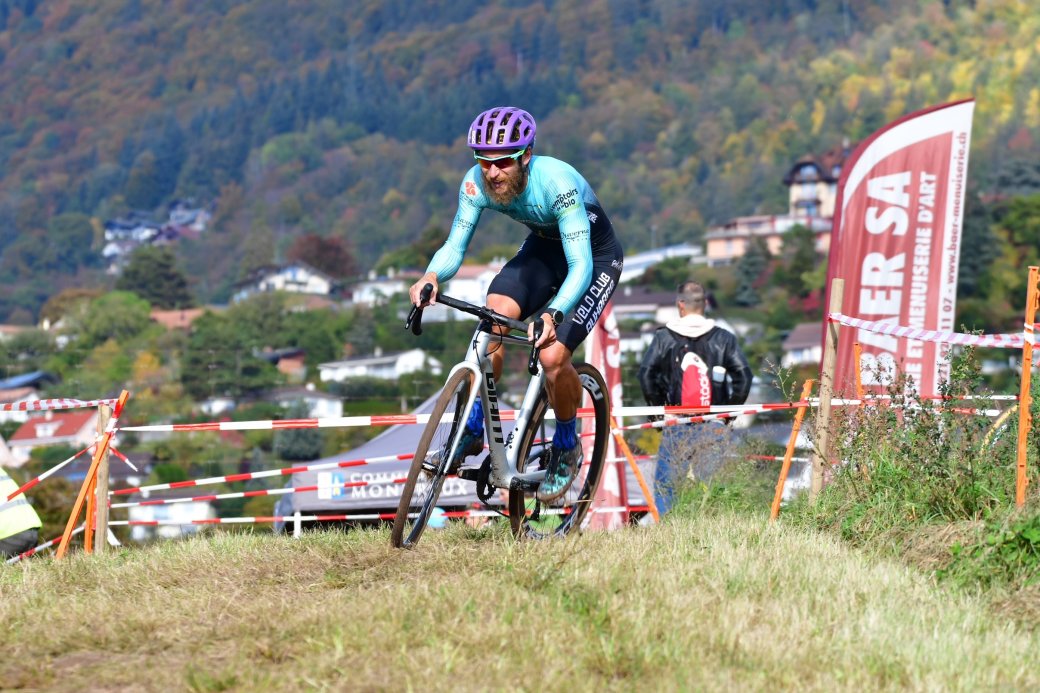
point(660, 376)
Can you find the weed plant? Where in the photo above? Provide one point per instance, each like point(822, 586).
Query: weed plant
point(935, 484)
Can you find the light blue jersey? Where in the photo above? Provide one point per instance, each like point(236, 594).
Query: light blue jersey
point(557, 204)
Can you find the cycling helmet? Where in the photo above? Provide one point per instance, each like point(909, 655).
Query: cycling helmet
point(503, 127)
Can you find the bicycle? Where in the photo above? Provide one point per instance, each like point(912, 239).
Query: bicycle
point(515, 463)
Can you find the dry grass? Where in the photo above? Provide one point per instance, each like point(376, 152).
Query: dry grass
point(693, 604)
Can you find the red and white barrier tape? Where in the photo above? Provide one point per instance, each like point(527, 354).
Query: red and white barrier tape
point(339, 518)
point(230, 478)
point(47, 544)
point(32, 482)
point(1007, 341)
point(59, 403)
point(251, 494)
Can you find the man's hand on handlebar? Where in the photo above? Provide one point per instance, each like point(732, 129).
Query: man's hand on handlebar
point(548, 336)
point(416, 289)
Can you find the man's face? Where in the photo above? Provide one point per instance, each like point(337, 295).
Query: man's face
point(504, 173)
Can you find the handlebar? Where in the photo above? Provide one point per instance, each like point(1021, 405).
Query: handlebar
point(414, 322)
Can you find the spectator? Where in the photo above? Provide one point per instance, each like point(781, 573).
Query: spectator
point(691, 362)
point(19, 523)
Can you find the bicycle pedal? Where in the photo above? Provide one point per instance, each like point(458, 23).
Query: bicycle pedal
point(469, 473)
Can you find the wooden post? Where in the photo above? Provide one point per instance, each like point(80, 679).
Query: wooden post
point(1025, 400)
point(77, 507)
point(101, 504)
point(774, 511)
point(823, 416)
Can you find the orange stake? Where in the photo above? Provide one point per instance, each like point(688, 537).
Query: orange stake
point(774, 511)
point(77, 507)
point(1025, 400)
point(857, 356)
point(635, 470)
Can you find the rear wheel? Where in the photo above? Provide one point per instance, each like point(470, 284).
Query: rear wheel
point(429, 467)
point(530, 517)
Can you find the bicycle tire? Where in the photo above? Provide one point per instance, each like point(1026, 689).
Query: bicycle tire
point(565, 515)
point(419, 497)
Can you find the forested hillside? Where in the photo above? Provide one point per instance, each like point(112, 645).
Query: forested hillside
point(346, 118)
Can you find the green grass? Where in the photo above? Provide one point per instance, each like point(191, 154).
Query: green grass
point(705, 601)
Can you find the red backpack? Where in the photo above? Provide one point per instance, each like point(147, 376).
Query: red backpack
point(696, 380)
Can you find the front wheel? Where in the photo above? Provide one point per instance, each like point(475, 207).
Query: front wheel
point(530, 517)
point(429, 467)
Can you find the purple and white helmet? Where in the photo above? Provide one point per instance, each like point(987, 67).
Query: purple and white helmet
point(503, 127)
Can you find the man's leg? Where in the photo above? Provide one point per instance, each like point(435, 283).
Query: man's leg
point(19, 543)
point(664, 471)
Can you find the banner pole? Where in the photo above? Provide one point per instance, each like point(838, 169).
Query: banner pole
point(823, 417)
point(1025, 400)
point(774, 511)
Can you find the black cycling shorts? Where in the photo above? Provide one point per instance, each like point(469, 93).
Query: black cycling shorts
point(534, 276)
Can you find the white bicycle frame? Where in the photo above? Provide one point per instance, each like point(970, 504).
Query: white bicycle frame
point(503, 451)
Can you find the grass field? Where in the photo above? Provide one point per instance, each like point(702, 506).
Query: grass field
point(700, 602)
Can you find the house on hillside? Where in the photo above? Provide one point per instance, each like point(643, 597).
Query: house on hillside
point(77, 429)
point(804, 344)
point(8, 331)
point(376, 289)
point(16, 403)
point(812, 184)
point(179, 515)
point(295, 277)
point(637, 264)
point(319, 405)
point(290, 361)
point(387, 367)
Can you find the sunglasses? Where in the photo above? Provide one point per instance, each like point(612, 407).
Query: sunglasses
point(501, 161)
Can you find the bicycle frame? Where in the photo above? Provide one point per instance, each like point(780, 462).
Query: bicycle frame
point(503, 452)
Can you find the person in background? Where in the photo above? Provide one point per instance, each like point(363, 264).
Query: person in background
point(19, 523)
point(691, 362)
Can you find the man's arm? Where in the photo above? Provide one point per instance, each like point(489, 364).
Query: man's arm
point(652, 377)
point(447, 260)
point(739, 372)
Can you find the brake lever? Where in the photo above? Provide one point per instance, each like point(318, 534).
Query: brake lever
point(532, 361)
point(414, 322)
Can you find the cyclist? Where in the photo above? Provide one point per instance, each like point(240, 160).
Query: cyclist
point(568, 267)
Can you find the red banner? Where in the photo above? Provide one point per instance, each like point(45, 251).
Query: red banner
point(896, 243)
point(603, 350)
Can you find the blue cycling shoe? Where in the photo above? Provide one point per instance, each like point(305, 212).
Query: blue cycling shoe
point(470, 444)
point(560, 473)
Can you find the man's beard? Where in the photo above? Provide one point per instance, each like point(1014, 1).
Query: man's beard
point(514, 186)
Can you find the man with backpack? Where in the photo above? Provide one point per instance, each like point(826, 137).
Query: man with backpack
point(691, 362)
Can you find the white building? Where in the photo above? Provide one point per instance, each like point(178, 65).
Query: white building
point(804, 344)
point(319, 404)
point(296, 277)
point(637, 264)
point(375, 290)
point(388, 367)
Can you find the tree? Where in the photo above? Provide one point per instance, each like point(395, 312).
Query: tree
point(118, 315)
point(152, 274)
point(221, 360)
point(298, 444)
point(750, 268)
point(331, 255)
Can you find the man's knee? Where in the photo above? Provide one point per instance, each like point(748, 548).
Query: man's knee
point(555, 358)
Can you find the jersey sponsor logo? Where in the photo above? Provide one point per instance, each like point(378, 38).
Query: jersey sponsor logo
point(471, 188)
point(593, 217)
point(565, 199)
point(589, 310)
point(617, 264)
